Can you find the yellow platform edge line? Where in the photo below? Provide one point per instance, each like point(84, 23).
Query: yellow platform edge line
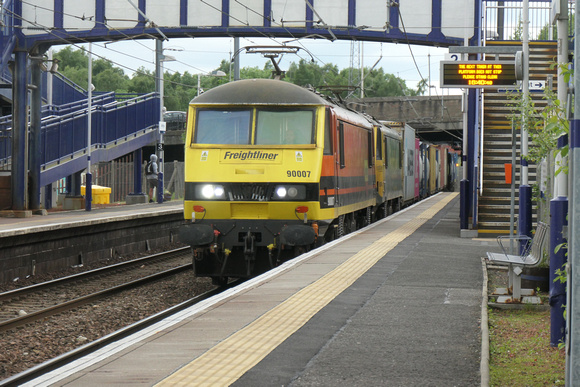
point(480, 231)
point(230, 359)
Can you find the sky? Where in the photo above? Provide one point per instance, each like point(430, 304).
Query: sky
point(202, 55)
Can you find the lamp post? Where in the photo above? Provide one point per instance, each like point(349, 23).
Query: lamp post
point(215, 73)
point(89, 175)
point(162, 58)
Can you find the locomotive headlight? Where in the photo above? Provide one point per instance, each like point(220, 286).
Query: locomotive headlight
point(211, 191)
point(289, 192)
point(281, 192)
point(218, 191)
point(292, 192)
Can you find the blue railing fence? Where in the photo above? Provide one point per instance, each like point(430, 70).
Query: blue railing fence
point(62, 136)
point(64, 128)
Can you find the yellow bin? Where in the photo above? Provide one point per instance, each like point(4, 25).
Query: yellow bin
point(101, 195)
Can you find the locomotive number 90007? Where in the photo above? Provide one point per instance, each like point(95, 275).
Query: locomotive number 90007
point(293, 173)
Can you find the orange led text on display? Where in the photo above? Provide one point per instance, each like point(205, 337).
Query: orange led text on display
point(477, 74)
point(480, 74)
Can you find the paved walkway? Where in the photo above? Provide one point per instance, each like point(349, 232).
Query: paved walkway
point(411, 320)
point(395, 304)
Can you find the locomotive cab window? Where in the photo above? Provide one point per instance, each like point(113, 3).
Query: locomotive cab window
point(284, 127)
point(386, 143)
point(215, 126)
point(371, 161)
point(379, 145)
point(328, 133)
point(341, 144)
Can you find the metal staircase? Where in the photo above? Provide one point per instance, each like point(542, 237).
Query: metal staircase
point(494, 199)
point(121, 123)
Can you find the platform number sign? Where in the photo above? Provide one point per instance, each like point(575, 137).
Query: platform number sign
point(159, 147)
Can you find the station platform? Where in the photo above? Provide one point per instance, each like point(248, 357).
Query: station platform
point(396, 303)
point(80, 237)
point(66, 219)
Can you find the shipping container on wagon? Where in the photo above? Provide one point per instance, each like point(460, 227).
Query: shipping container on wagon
point(434, 170)
point(409, 159)
point(417, 168)
point(425, 172)
point(442, 167)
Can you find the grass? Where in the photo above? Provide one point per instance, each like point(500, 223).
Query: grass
point(520, 351)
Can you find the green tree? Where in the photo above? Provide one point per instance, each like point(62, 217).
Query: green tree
point(111, 79)
point(256, 72)
point(544, 32)
point(77, 75)
point(143, 81)
point(379, 84)
point(70, 58)
point(74, 65)
point(519, 31)
point(305, 73)
point(181, 88)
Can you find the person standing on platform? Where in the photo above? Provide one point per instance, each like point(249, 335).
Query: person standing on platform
point(151, 172)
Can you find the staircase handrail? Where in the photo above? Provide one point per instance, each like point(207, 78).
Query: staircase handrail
point(48, 111)
point(64, 135)
point(70, 83)
point(99, 99)
point(111, 122)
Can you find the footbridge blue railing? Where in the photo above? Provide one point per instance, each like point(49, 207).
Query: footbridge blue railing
point(120, 124)
point(63, 90)
point(47, 111)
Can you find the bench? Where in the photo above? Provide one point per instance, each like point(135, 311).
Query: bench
point(533, 250)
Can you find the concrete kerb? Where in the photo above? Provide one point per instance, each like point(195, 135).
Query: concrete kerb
point(484, 364)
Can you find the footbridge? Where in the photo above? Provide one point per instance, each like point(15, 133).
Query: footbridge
point(120, 124)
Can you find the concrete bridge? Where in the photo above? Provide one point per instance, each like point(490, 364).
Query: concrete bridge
point(436, 119)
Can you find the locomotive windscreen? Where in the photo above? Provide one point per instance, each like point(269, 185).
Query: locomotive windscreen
point(223, 126)
point(273, 127)
point(281, 127)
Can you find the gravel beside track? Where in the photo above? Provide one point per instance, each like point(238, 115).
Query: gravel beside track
point(23, 348)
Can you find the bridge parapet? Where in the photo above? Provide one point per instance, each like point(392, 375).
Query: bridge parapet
point(436, 119)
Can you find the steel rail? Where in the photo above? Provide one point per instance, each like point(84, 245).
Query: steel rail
point(59, 361)
point(75, 277)
point(26, 319)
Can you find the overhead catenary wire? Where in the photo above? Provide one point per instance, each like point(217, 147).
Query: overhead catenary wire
point(184, 63)
point(77, 45)
point(48, 30)
point(104, 46)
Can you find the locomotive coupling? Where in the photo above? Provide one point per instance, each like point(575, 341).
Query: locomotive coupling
point(297, 235)
point(195, 234)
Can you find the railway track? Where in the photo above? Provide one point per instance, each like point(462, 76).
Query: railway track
point(23, 306)
point(112, 303)
point(86, 349)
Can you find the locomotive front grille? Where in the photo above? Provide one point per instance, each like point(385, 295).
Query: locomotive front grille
point(249, 192)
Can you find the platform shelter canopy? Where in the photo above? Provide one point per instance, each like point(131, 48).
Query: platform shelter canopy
point(427, 22)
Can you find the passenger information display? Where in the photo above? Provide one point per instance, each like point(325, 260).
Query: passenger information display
point(478, 74)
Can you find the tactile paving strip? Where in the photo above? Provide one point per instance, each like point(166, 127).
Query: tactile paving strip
point(230, 359)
